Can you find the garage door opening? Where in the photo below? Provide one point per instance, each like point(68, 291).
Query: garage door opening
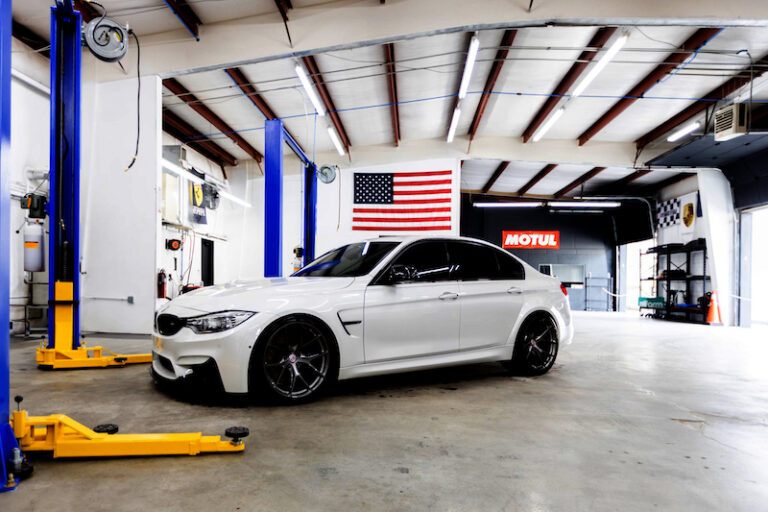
point(759, 272)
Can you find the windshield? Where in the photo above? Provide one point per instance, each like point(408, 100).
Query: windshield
point(348, 261)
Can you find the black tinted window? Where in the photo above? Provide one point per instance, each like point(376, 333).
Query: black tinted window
point(509, 267)
point(472, 262)
point(348, 261)
point(430, 260)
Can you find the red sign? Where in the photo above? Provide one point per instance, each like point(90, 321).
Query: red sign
point(531, 239)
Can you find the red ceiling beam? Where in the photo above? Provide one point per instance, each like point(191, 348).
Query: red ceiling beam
point(501, 55)
point(729, 87)
point(195, 104)
point(495, 176)
point(539, 176)
point(30, 38)
point(691, 45)
point(598, 41)
point(87, 11)
point(579, 181)
point(186, 15)
point(389, 59)
point(325, 97)
point(188, 135)
point(242, 82)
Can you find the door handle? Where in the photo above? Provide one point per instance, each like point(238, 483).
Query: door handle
point(515, 290)
point(449, 296)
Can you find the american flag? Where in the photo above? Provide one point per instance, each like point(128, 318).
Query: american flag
point(402, 201)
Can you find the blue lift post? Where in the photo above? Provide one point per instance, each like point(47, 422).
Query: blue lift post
point(63, 349)
point(7, 439)
point(274, 137)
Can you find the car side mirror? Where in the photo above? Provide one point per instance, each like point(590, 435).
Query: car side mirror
point(400, 273)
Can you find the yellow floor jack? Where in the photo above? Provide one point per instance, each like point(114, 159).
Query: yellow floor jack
point(65, 437)
point(63, 355)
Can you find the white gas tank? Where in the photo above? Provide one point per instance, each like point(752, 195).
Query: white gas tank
point(34, 247)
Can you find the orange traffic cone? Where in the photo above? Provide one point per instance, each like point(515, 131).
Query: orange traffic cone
point(713, 315)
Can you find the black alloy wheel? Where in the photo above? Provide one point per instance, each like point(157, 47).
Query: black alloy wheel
point(536, 346)
point(295, 362)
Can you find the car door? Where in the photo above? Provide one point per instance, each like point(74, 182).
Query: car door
point(491, 287)
point(415, 317)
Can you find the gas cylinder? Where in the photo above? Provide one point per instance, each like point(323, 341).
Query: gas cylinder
point(34, 250)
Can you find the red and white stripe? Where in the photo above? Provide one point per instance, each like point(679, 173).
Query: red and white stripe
point(422, 202)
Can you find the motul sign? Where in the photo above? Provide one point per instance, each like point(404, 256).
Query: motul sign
point(531, 239)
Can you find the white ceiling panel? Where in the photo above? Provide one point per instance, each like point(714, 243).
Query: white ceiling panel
point(561, 176)
point(428, 67)
point(516, 175)
point(533, 70)
point(356, 82)
point(475, 172)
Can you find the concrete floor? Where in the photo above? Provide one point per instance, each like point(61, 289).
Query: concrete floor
point(638, 414)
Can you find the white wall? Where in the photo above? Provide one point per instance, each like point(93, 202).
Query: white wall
point(119, 209)
point(30, 114)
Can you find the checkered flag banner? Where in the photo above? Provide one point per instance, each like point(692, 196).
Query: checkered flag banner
point(668, 213)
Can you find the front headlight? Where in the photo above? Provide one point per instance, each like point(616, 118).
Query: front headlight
point(217, 322)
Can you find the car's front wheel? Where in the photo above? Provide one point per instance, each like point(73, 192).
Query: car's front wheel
point(536, 346)
point(295, 361)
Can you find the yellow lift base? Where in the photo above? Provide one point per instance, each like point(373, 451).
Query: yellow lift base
point(58, 359)
point(65, 437)
point(62, 356)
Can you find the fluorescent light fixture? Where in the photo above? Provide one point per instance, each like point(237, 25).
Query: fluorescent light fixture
point(454, 124)
point(584, 204)
point(519, 204)
point(304, 79)
point(682, 132)
point(180, 172)
point(233, 198)
point(469, 65)
point(548, 124)
point(617, 45)
point(335, 139)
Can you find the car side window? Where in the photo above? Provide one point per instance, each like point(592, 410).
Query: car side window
point(429, 259)
point(509, 267)
point(473, 262)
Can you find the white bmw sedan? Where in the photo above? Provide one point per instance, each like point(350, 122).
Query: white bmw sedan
point(381, 306)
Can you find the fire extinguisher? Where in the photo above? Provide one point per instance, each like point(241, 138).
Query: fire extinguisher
point(162, 278)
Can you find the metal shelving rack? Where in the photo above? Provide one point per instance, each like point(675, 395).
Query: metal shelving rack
point(663, 280)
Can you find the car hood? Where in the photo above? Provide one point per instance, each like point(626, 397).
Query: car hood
point(263, 295)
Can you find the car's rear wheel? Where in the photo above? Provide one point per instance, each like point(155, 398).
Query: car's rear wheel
point(295, 361)
point(536, 346)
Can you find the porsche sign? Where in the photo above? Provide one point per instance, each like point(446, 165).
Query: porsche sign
point(531, 239)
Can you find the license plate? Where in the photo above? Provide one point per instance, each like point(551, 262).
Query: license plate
point(158, 343)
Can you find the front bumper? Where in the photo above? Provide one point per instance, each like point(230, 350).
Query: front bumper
point(204, 377)
point(187, 357)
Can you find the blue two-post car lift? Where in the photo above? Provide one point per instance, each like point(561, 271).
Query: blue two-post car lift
point(57, 433)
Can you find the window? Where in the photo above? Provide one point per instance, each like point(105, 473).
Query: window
point(430, 260)
point(474, 262)
point(509, 267)
point(348, 261)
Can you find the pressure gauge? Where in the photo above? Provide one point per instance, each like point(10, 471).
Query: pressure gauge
point(327, 173)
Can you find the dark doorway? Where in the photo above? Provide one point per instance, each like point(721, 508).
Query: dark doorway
point(206, 261)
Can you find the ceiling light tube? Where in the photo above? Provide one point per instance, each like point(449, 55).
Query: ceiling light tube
point(548, 124)
point(454, 124)
point(682, 132)
point(182, 173)
point(469, 64)
point(597, 68)
point(519, 204)
point(335, 139)
point(304, 79)
point(234, 198)
point(584, 204)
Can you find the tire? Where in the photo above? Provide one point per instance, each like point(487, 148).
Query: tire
point(295, 361)
point(536, 346)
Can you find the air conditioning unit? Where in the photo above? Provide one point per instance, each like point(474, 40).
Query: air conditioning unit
point(731, 121)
